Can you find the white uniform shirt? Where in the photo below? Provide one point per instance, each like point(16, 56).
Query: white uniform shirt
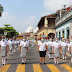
point(42, 46)
point(64, 44)
point(50, 43)
point(68, 46)
point(56, 45)
point(4, 44)
point(23, 44)
point(9, 42)
point(71, 44)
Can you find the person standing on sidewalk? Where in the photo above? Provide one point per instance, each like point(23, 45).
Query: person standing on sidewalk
point(4, 50)
point(42, 49)
point(56, 50)
point(23, 51)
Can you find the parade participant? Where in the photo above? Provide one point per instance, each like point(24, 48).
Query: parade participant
point(6, 42)
point(10, 46)
point(14, 45)
point(71, 51)
point(23, 51)
point(4, 50)
point(50, 43)
point(17, 44)
point(56, 51)
point(68, 47)
point(42, 49)
point(64, 47)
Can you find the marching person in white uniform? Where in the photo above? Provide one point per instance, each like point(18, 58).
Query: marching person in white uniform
point(50, 43)
point(10, 46)
point(4, 50)
point(56, 51)
point(71, 51)
point(64, 47)
point(23, 51)
point(42, 49)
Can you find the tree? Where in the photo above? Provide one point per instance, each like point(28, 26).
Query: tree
point(10, 30)
point(6, 25)
point(1, 10)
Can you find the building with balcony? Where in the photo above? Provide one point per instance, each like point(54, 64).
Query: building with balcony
point(46, 26)
point(63, 23)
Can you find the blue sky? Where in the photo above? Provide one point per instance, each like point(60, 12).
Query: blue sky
point(22, 13)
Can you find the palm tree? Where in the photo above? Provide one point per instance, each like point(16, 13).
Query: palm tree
point(1, 10)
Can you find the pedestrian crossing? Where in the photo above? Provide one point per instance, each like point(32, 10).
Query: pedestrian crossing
point(37, 68)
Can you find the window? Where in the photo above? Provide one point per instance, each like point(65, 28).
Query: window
point(56, 34)
point(63, 33)
point(59, 34)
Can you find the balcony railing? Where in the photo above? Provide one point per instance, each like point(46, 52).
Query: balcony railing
point(64, 17)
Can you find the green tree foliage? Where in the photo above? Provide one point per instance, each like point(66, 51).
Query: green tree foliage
point(10, 30)
point(1, 9)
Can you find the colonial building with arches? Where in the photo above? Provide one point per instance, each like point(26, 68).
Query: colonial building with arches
point(46, 26)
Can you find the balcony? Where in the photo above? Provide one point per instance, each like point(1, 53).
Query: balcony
point(64, 17)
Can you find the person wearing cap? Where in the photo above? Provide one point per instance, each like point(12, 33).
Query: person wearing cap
point(56, 50)
point(50, 43)
point(4, 49)
point(42, 49)
point(23, 50)
point(64, 47)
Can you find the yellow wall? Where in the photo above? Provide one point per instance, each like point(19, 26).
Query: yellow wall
point(46, 32)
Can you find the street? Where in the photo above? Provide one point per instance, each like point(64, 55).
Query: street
point(33, 65)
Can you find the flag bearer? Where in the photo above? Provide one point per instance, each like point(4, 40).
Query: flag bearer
point(56, 51)
point(42, 49)
point(64, 47)
point(4, 50)
point(23, 51)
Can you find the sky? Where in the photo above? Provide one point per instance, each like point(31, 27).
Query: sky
point(22, 13)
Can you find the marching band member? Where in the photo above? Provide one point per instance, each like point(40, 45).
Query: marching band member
point(42, 48)
point(23, 51)
point(4, 50)
point(64, 47)
point(56, 51)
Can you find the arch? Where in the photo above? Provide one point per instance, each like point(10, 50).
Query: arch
point(51, 35)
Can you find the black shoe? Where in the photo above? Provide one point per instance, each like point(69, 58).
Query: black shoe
point(2, 64)
point(22, 63)
point(25, 63)
point(6, 59)
point(43, 63)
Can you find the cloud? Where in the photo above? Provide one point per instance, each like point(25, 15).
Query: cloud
point(51, 6)
point(19, 23)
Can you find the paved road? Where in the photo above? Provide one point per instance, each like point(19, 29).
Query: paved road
point(14, 63)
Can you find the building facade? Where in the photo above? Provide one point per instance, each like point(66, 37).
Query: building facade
point(46, 26)
point(63, 24)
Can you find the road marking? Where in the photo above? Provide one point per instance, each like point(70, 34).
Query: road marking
point(5, 68)
point(20, 68)
point(53, 68)
point(67, 67)
point(37, 68)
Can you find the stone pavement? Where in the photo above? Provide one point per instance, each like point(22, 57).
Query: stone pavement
point(33, 65)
